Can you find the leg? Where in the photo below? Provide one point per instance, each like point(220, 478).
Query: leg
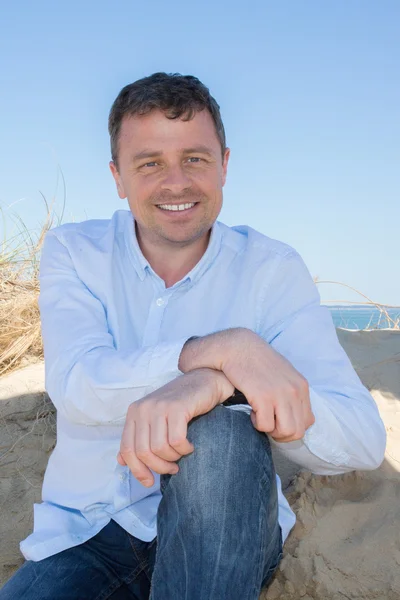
point(218, 532)
point(105, 567)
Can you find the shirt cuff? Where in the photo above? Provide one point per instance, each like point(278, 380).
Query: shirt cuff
point(324, 436)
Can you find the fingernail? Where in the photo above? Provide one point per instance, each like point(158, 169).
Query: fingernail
point(174, 470)
point(147, 482)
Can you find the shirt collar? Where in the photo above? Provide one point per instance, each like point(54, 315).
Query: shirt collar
point(142, 265)
point(139, 261)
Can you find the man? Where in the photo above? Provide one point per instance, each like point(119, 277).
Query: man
point(162, 483)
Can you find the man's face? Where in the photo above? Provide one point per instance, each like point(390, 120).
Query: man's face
point(170, 163)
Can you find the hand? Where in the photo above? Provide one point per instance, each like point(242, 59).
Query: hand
point(155, 431)
point(278, 394)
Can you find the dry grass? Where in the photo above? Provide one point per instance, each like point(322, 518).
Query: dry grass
point(20, 337)
point(385, 320)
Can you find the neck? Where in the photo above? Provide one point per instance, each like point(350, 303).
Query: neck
point(172, 262)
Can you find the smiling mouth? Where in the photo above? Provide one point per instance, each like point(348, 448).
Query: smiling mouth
point(177, 207)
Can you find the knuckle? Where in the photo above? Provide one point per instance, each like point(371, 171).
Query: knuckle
point(299, 388)
point(161, 406)
point(160, 449)
point(130, 413)
point(304, 387)
point(143, 455)
point(268, 424)
point(294, 390)
point(259, 427)
point(141, 410)
point(266, 397)
point(287, 432)
point(299, 434)
point(177, 440)
point(264, 425)
point(126, 450)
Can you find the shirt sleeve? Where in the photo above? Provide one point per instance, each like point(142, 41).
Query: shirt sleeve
point(88, 380)
point(348, 432)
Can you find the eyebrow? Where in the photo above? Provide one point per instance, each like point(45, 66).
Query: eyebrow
point(154, 153)
point(146, 154)
point(199, 150)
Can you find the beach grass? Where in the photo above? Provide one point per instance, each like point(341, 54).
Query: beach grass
point(20, 335)
point(385, 320)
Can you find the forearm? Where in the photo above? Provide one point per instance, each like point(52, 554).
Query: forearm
point(211, 386)
point(95, 385)
point(212, 351)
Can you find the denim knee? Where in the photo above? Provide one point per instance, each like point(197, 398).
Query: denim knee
point(231, 461)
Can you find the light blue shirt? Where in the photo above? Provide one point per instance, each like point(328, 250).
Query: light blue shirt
point(113, 333)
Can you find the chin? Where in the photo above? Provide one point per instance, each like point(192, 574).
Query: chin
point(184, 237)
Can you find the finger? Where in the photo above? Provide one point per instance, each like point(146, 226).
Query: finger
point(127, 451)
point(298, 411)
point(308, 415)
point(159, 442)
point(285, 422)
point(263, 418)
point(299, 431)
point(120, 460)
point(177, 433)
point(145, 454)
point(301, 410)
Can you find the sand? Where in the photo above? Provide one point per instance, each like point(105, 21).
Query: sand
point(346, 542)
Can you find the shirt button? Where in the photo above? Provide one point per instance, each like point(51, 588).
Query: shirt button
point(160, 301)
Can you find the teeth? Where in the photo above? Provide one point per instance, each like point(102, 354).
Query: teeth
point(176, 206)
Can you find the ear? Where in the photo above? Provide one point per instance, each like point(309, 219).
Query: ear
point(225, 165)
point(117, 179)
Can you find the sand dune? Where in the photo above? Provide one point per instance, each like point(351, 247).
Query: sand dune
point(346, 542)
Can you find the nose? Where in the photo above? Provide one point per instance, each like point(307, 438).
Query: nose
point(176, 180)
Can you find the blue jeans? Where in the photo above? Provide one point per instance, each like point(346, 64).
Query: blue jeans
point(217, 524)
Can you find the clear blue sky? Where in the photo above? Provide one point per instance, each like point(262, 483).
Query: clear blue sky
point(309, 93)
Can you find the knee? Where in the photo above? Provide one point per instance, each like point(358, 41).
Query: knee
point(230, 457)
point(223, 437)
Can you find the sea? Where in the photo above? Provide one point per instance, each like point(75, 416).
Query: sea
point(364, 317)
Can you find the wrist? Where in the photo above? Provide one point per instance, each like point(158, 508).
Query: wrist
point(190, 347)
point(224, 389)
point(211, 351)
point(243, 347)
point(212, 382)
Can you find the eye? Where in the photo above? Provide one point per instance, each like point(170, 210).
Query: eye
point(150, 164)
point(194, 159)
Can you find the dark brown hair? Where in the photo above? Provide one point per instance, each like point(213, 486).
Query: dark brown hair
point(178, 96)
